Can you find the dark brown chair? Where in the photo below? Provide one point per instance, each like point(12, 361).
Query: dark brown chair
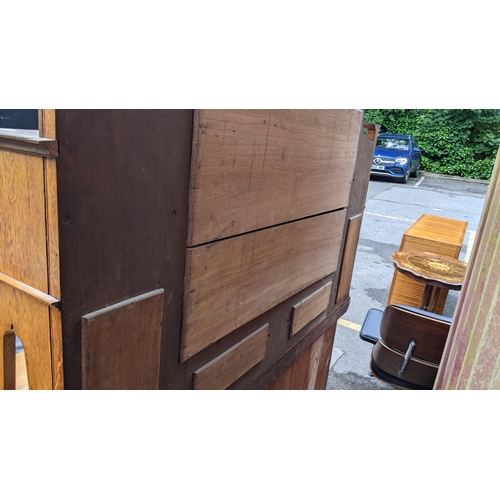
point(408, 344)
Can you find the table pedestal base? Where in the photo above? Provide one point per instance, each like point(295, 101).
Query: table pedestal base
point(425, 301)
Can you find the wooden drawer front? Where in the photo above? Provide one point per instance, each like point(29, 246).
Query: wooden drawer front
point(230, 282)
point(309, 308)
point(429, 245)
point(225, 369)
point(23, 244)
point(253, 169)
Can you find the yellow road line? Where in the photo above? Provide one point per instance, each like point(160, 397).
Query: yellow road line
point(349, 324)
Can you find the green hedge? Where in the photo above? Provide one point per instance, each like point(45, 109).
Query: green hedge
point(461, 142)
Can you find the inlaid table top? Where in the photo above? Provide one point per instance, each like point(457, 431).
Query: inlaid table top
point(436, 270)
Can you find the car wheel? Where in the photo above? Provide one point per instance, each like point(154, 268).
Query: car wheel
point(416, 172)
point(404, 180)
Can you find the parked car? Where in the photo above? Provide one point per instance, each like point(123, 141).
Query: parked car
point(396, 156)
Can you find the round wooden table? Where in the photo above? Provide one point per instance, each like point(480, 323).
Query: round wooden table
point(435, 271)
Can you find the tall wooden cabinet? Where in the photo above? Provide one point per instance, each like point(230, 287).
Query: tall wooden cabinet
point(179, 249)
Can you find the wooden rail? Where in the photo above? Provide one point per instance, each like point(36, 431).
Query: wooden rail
point(32, 292)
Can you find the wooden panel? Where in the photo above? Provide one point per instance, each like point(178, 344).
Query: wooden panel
point(256, 168)
point(324, 360)
point(230, 282)
point(309, 308)
point(121, 344)
point(300, 372)
point(29, 319)
point(429, 233)
point(122, 195)
point(310, 370)
point(349, 256)
point(23, 252)
point(315, 352)
point(225, 369)
point(282, 383)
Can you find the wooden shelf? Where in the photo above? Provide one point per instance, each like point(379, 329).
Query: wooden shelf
point(28, 142)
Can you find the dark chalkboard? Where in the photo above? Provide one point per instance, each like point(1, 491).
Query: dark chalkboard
point(19, 118)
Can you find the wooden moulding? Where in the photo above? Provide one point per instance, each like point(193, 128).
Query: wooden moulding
point(28, 142)
point(225, 369)
point(349, 256)
point(47, 128)
point(253, 169)
point(121, 344)
point(309, 308)
point(230, 282)
point(45, 298)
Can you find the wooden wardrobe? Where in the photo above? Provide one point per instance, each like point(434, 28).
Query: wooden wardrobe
point(179, 249)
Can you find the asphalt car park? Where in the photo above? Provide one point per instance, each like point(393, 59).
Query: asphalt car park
point(391, 208)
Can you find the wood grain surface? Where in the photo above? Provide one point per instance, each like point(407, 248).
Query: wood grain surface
point(257, 168)
point(310, 307)
point(121, 344)
point(310, 369)
point(349, 256)
point(23, 247)
point(47, 128)
point(29, 319)
point(230, 282)
point(122, 197)
point(229, 366)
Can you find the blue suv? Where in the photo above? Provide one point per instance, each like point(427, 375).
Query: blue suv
point(396, 156)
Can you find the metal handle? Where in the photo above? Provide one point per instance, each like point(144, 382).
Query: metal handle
point(411, 346)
